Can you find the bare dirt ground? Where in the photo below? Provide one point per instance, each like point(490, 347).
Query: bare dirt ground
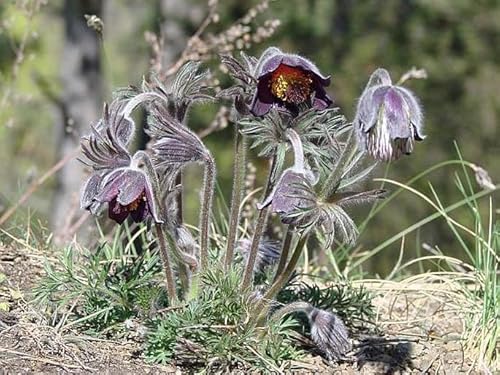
point(421, 334)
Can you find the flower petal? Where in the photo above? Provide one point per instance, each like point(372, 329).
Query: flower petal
point(116, 212)
point(89, 191)
point(110, 185)
point(141, 212)
point(132, 185)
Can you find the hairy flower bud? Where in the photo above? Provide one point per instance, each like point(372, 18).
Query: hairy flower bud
point(388, 118)
point(291, 195)
point(329, 333)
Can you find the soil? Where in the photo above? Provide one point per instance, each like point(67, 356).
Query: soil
point(421, 334)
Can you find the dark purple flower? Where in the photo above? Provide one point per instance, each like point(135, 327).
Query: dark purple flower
point(288, 80)
point(128, 191)
point(329, 333)
point(388, 119)
point(291, 195)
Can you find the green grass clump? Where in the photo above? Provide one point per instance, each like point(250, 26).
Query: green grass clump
point(212, 330)
point(97, 291)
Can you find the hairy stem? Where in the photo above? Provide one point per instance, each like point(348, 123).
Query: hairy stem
point(298, 306)
point(285, 250)
point(179, 200)
point(206, 209)
point(298, 151)
point(261, 308)
point(186, 263)
point(333, 180)
point(138, 99)
point(167, 267)
point(236, 194)
point(282, 279)
point(259, 228)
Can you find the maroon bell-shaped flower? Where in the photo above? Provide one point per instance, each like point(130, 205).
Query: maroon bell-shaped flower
point(291, 195)
point(388, 118)
point(293, 192)
point(128, 191)
point(288, 80)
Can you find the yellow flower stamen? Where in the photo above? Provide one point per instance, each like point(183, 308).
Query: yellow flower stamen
point(290, 84)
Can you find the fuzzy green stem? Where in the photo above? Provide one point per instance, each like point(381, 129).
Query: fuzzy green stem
point(282, 279)
point(138, 99)
point(333, 180)
point(236, 194)
point(206, 209)
point(298, 151)
point(167, 267)
point(298, 306)
point(185, 262)
point(260, 310)
point(285, 250)
point(259, 228)
point(179, 198)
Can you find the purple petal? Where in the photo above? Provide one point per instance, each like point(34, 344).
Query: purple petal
point(321, 100)
point(396, 114)
point(260, 108)
point(116, 212)
point(110, 186)
point(270, 65)
point(132, 185)
point(415, 112)
point(141, 212)
point(89, 191)
point(297, 61)
point(294, 61)
point(288, 196)
point(263, 99)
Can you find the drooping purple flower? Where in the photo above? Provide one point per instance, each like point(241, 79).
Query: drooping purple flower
point(329, 333)
point(288, 80)
point(104, 150)
point(292, 194)
point(388, 118)
point(127, 190)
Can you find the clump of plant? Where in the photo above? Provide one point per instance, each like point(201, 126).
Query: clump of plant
point(217, 311)
point(97, 291)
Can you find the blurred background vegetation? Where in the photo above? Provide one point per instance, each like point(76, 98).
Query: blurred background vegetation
point(456, 41)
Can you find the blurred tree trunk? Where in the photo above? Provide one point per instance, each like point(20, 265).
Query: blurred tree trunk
point(82, 100)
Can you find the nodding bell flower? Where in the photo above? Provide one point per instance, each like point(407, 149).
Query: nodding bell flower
point(291, 194)
point(128, 184)
point(288, 80)
point(388, 118)
point(104, 150)
point(293, 191)
point(128, 191)
point(329, 333)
